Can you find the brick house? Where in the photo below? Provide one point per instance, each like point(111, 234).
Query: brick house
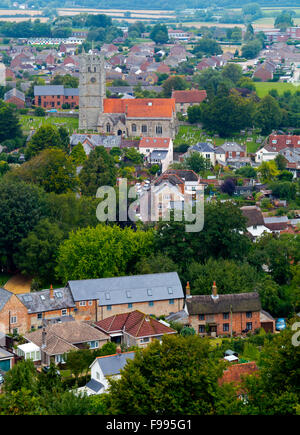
point(14, 96)
point(134, 328)
point(157, 294)
point(219, 314)
point(54, 96)
point(188, 98)
point(13, 313)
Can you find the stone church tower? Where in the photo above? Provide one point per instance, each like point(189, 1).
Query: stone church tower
point(91, 90)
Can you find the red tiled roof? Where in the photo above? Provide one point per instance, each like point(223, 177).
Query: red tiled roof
point(154, 142)
point(235, 372)
point(282, 141)
point(134, 323)
point(141, 107)
point(190, 96)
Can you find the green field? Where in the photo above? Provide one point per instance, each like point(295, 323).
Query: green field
point(263, 88)
point(29, 122)
point(191, 135)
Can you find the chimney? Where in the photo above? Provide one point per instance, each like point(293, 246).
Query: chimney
point(188, 290)
point(214, 295)
point(51, 292)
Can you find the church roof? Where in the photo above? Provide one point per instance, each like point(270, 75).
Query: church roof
point(141, 107)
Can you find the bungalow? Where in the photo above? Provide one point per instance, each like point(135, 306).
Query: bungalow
point(134, 328)
point(56, 339)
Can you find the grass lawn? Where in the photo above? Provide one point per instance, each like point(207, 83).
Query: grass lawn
point(29, 122)
point(191, 135)
point(263, 88)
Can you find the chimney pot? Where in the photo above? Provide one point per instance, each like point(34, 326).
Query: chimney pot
point(51, 292)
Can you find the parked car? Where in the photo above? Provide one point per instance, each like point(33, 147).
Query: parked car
point(280, 324)
point(47, 368)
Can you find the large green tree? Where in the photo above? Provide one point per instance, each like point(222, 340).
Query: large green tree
point(45, 137)
point(103, 251)
point(268, 115)
point(98, 170)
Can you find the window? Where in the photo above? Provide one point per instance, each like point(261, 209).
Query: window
point(107, 296)
point(90, 303)
point(97, 375)
point(130, 305)
point(249, 314)
point(249, 326)
point(170, 290)
point(93, 344)
point(108, 307)
point(107, 128)
point(144, 128)
point(128, 293)
point(225, 315)
point(225, 327)
point(58, 294)
point(13, 319)
point(59, 359)
point(133, 128)
point(201, 329)
point(201, 317)
point(171, 301)
point(149, 292)
point(82, 303)
point(64, 312)
point(151, 303)
point(158, 129)
point(145, 340)
point(40, 315)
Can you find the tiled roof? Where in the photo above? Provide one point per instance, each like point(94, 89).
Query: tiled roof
point(141, 108)
point(62, 337)
point(190, 96)
point(235, 372)
point(154, 142)
point(279, 142)
point(136, 324)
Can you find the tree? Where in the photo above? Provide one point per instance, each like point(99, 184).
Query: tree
point(157, 380)
point(78, 154)
point(38, 251)
point(103, 251)
point(228, 186)
point(9, 122)
point(52, 169)
point(45, 137)
point(194, 114)
point(174, 83)
point(246, 171)
point(98, 170)
point(280, 162)
point(207, 46)
point(22, 206)
point(251, 49)
point(268, 115)
point(267, 171)
point(159, 34)
point(21, 375)
point(284, 190)
point(232, 72)
point(196, 162)
point(155, 263)
point(284, 20)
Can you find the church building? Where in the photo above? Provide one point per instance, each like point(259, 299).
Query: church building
point(140, 117)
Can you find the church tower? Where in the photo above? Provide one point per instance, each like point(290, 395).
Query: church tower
point(91, 90)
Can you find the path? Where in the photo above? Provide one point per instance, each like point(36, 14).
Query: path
point(18, 284)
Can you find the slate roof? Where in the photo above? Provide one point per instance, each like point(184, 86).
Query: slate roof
point(158, 155)
point(240, 302)
point(203, 147)
point(55, 90)
point(112, 364)
point(128, 289)
point(135, 323)
point(38, 302)
point(5, 295)
point(14, 93)
point(94, 385)
point(96, 140)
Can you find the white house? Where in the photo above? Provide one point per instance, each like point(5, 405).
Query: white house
point(265, 154)
point(157, 150)
point(103, 368)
